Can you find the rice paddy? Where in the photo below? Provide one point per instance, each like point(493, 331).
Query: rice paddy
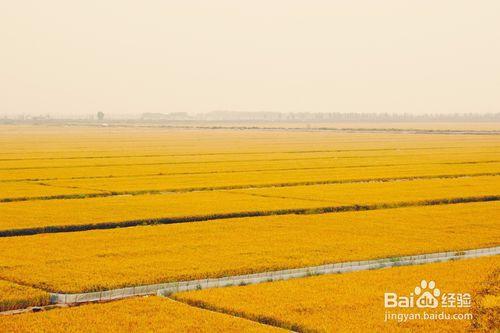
point(91, 209)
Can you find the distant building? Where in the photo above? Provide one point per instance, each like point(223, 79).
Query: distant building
point(165, 116)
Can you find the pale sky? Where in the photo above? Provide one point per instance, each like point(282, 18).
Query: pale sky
point(68, 57)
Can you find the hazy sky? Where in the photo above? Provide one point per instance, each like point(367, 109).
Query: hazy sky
point(128, 57)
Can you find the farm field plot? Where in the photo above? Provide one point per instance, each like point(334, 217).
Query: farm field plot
point(83, 161)
point(70, 141)
point(207, 160)
point(86, 146)
point(439, 158)
point(275, 174)
point(32, 214)
point(230, 158)
point(14, 296)
point(368, 193)
point(105, 259)
point(233, 160)
point(36, 214)
point(207, 180)
point(355, 301)
point(13, 190)
point(146, 314)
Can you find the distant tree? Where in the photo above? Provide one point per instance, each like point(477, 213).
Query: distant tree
point(100, 115)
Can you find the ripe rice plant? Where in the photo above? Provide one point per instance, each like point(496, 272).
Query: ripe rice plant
point(14, 296)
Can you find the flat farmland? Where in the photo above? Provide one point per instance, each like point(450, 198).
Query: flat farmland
point(202, 205)
point(212, 179)
point(29, 170)
point(106, 259)
point(29, 142)
point(229, 161)
point(272, 175)
point(87, 208)
point(107, 165)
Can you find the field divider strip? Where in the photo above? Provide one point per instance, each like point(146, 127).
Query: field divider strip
point(105, 193)
point(166, 289)
point(203, 218)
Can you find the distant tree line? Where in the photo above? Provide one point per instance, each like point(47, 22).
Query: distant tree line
point(321, 117)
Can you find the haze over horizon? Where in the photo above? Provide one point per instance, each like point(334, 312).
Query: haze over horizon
point(73, 58)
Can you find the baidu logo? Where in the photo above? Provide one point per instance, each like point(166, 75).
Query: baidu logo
point(427, 295)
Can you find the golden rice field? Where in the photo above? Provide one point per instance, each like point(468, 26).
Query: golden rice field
point(354, 302)
point(119, 209)
point(14, 296)
point(94, 208)
point(146, 314)
point(209, 180)
point(105, 259)
point(271, 176)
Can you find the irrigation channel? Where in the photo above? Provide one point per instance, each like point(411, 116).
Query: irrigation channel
point(165, 289)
